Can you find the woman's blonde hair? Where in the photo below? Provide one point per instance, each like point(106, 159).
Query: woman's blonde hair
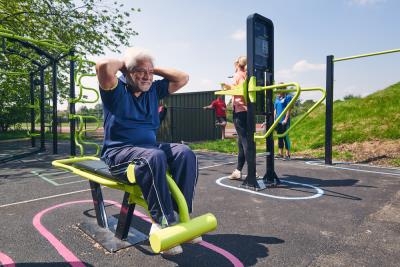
point(241, 61)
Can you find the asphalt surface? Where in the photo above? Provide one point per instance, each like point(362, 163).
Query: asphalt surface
point(343, 215)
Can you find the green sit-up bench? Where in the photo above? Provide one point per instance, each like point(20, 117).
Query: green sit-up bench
point(96, 171)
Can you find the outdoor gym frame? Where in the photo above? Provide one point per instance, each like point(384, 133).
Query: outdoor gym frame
point(53, 61)
point(64, 52)
point(330, 60)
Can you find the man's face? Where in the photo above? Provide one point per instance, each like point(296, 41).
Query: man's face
point(142, 76)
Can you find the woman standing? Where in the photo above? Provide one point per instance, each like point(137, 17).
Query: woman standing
point(239, 116)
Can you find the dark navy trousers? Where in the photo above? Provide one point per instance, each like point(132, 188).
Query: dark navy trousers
point(151, 164)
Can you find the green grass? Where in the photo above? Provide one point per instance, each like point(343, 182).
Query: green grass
point(375, 117)
point(18, 134)
point(395, 162)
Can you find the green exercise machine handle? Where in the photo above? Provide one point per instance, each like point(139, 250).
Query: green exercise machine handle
point(308, 111)
point(276, 88)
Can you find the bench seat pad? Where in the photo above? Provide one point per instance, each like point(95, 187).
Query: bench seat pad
point(96, 167)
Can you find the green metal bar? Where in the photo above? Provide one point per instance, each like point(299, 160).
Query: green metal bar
point(253, 88)
point(67, 165)
point(308, 111)
point(367, 55)
point(239, 89)
point(79, 138)
point(78, 81)
point(46, 43)
point(179, 199)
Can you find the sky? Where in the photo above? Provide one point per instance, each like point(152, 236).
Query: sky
point(203, 38)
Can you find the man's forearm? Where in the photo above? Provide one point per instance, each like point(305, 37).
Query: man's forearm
point(177, 78)
point(170, 74)
point(107, 69)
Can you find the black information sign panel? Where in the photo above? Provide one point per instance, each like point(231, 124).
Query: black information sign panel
point(260, 53)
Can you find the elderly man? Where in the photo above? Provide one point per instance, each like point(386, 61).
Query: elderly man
point(131, 121)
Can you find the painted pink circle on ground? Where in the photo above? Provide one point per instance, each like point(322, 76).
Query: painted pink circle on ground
point(6, 261)
point(76, 262)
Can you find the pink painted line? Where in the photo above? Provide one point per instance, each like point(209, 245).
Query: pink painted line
point(76, 262)
point(60, 247)
point(6, 261)
point(235, 261)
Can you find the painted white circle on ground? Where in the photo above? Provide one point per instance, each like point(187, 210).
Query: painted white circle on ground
point(319, 191)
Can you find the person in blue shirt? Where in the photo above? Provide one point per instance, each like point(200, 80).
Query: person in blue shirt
point(131, 120)
point(281, 101)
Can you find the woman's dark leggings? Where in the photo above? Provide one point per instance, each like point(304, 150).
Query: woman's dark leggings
point(240, 122)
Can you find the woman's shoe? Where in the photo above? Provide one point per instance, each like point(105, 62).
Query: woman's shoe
point(236, 175)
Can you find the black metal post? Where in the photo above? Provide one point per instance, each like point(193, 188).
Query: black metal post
point(32, 101)
point(72, 105)
point(42, 100)
point(260, 64)
point(270, 174)
point(55, 93)
point(329, 110)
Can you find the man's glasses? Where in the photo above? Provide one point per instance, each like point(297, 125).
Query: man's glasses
point(142, 71)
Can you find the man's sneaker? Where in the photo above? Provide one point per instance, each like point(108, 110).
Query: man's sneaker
point(154, 228)
point(195, 240)
point(172, 251)
point(236, 175)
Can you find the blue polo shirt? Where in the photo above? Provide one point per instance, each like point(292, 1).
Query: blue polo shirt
point(280, 104)
point(131, 120)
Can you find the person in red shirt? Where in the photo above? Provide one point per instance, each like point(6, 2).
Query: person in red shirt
point(220, 112)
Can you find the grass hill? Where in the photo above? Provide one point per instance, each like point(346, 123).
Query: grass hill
point(365, 130)
point(372, 119)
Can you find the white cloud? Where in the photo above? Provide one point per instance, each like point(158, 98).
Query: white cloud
point(301, 66)
point(239, 35)
point(207, 82)
point(365, 2)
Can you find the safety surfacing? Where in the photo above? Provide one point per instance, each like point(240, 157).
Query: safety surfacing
point(339, 215)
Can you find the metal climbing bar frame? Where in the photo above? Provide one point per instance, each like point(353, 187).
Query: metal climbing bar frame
point(330, 60)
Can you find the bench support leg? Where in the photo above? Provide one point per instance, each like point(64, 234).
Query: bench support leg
point(113, 235)
point(98, 203)
point(125, 218)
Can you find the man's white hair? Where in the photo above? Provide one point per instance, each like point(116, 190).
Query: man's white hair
point(134, 54)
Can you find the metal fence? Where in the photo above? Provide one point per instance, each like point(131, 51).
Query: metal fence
point(186, 119)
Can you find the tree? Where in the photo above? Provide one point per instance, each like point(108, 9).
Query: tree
point(88, 26)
